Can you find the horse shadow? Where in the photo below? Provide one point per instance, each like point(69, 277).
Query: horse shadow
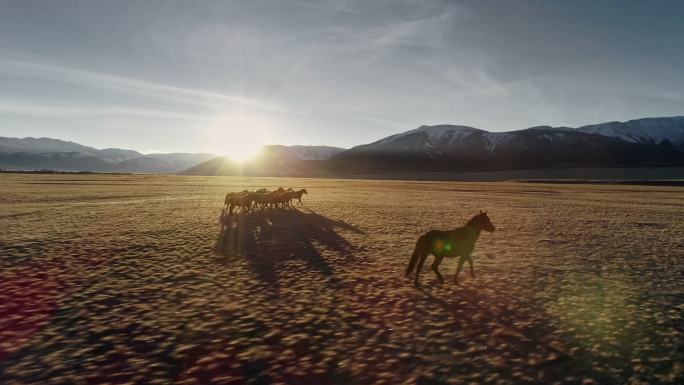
point(267, 239)
point(520, 333)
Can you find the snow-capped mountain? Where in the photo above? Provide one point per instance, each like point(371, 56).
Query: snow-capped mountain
point(438, 141)
point(60, 155)
point(646, 131)
point(615, 143)
point(431, 140)
point(649, 141)
point(49, 145)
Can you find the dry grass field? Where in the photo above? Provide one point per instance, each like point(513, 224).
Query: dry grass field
point(108, 279)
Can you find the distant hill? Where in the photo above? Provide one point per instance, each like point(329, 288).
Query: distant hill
point(49, 145)
point(643, 142)
point(449, 147)
point(59, 155)
point(274, 160)
point(59, 161)
point(644, 131)
point(303, 152)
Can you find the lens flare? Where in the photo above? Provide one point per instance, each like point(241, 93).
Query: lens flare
point(438, 246)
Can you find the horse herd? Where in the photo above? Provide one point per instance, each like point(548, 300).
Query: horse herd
point(458, 242)
point(261, 199)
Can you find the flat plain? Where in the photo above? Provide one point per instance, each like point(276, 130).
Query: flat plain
point(121, 279)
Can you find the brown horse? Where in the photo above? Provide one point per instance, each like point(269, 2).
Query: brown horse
point(240, 200)
point(459, 242)
point(277, 198)
point(298, 195)
point(231, 196)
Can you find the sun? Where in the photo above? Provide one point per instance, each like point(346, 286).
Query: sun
point(243, 153)
point(239, 137)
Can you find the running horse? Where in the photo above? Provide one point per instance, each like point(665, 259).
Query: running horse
point(298, 195)
point(459, 242)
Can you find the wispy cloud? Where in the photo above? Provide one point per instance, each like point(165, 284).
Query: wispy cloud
point(338, 6)
point(131, 85)
point(37, 108)
point(376, 119)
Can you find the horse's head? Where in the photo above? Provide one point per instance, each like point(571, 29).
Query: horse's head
point(304, 191)
point(481, 222)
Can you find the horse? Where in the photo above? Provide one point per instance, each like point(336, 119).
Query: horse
point(231, 195)
point(261, 199)
point(274, 198)
point(458, 242)
point(243, 201)
point(298, 195)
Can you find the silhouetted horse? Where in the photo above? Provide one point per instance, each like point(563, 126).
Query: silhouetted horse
point(459, 242)
point(298, 195)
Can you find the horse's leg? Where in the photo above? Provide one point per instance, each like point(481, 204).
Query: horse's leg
point(423, 257)
point(222, 219)
point(417, 251)
point(435, 268)
point(472, 271)
point(458, 269)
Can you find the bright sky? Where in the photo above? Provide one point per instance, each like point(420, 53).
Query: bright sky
point(226, 76)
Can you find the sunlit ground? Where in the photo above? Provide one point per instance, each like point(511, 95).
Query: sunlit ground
point(128, 279)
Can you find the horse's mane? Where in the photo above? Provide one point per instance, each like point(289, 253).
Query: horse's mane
point(479, 221)
point(475, 218)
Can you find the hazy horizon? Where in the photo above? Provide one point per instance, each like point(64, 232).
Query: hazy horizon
point(167, 76)
point(279, 144)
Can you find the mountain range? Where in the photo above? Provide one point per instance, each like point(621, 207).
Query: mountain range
point(273, 160)
point(59, 155)
point(654, 140)
point(648, 141)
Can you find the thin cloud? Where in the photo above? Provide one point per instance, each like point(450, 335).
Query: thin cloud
point(337, 7)
point(103, 80)
point(377, 120)
point(57, 110)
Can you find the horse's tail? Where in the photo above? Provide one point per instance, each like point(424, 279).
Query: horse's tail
point(418, 251)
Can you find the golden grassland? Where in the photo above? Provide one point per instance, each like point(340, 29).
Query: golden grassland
point(128, 279)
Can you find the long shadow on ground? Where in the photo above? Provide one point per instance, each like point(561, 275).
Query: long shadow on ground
point(269, 238)
point(516, 337)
